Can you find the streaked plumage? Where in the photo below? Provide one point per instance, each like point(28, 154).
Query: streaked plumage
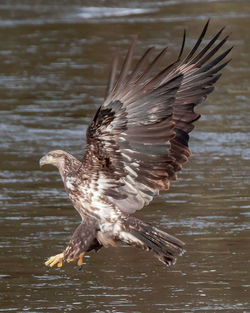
point(136, 143)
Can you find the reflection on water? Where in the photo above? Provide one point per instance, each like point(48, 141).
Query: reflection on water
point(103, 12)
point(54, 65)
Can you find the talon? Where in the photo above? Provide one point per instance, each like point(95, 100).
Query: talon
point(56, 259)
point(70, 260)
point(80, 260)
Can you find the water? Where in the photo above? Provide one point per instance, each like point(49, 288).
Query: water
point(54, 65)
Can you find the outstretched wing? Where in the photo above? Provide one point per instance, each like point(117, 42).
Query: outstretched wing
point(138, 138)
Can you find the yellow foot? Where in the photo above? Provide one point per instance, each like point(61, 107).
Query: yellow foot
point(79, 258)
point(56, 259)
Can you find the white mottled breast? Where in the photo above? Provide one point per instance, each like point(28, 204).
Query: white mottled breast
point(88, 196)
point(69, 182)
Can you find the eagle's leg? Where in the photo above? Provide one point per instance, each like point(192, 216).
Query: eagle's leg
point(83, 240)
point(56, 259)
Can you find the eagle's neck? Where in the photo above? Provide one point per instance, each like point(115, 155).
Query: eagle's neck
point(69, 165)
point(66, 163)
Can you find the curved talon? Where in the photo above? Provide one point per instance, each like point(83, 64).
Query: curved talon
point(56, 259)
point(71, 260)
point(80, 260)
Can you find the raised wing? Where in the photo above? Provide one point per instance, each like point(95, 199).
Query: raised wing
point(138, 138)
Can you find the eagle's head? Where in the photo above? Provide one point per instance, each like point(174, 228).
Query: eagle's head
point(57, 158)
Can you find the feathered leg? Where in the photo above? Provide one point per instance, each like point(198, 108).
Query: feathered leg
point(82, 241)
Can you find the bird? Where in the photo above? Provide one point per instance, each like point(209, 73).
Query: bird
point(136, 144)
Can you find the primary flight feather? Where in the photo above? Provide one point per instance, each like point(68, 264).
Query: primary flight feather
point(136, 143)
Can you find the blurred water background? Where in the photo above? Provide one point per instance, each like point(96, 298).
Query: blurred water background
point(54, 64)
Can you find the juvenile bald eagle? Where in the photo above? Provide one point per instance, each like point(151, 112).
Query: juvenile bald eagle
point(136, 143)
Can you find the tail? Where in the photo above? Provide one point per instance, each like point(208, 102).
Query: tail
point(165, 247)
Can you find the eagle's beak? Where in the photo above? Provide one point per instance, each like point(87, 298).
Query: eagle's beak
point(43, 161)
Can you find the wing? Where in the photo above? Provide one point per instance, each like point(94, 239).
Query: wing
point(138, 138)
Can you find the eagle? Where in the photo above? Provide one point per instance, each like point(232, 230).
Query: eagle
point(136, 143)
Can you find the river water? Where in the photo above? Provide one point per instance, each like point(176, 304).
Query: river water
point(54, 64)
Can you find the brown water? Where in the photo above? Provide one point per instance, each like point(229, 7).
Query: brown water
point(54, 65)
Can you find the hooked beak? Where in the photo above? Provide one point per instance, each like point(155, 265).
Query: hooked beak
point(43, 161)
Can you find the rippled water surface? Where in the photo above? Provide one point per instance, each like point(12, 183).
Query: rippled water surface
point(54, 62)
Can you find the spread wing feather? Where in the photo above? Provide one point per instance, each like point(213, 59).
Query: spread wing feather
point(138, 138)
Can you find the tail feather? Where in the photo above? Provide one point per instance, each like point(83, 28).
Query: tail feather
point(165, 247)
